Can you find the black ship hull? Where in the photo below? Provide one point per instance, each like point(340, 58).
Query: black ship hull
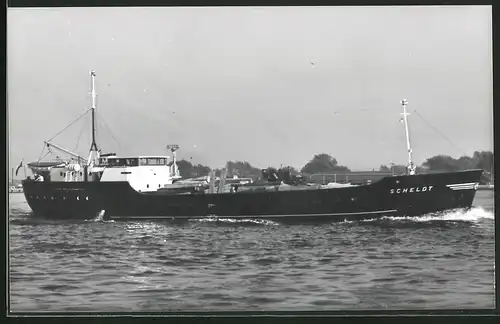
point(391, 196)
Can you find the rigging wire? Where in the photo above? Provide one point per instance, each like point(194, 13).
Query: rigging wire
point(79, 136)
point(65, 128)
point(109, 129)
point(40, 156)
point(48, 152)
point(440, 133)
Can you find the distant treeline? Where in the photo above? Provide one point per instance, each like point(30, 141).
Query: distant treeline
point(325, 163)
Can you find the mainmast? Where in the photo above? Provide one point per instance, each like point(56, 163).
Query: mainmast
point(94, 152)
point(411, 166)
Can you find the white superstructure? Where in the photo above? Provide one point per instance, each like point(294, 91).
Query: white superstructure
point(144, 173)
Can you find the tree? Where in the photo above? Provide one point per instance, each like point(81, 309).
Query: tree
point(200, 170)
point(442, 163)
point(185, 168)
point(323, 163)
point(484, 160)
point(384, 168)
point(466, 162)
point(242, 169)
point(188, 170)
point(479, 160)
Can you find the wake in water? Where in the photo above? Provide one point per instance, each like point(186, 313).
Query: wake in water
point(473, 215)
point(459, 217)
point(246, 221)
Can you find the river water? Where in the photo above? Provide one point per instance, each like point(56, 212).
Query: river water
point(429, 262)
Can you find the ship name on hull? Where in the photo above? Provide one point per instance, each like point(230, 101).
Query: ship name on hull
point(411, 190)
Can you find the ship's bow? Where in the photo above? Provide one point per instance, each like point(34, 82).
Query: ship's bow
point(433, 192)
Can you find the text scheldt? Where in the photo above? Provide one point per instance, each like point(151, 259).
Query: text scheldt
point(411, 190)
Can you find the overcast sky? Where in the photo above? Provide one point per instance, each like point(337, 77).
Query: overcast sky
point(267, 85)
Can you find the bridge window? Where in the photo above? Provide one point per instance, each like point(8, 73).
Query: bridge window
point(136, 162)
point(131, 162)
point(156, 161)
point(123, 162)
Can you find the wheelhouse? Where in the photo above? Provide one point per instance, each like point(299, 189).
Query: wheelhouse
point(134, 161)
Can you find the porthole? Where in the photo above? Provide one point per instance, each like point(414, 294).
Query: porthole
point(44, 197)
point(77, 197)
point(81, 173)
point(147, 186)
point(36, 197)
point(87, 198)
point(64, 198)
point(51, 197)
point(90, 173)
point(62, 174)
point(158, 185)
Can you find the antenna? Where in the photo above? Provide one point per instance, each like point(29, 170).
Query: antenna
point(411, 166)
point(173, 148)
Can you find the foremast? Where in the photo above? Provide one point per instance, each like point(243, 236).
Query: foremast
point(411, 166)
point(94, 151)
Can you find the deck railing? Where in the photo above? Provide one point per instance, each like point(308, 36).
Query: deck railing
point(325, 178)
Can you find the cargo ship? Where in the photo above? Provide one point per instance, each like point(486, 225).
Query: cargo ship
point(150, 187)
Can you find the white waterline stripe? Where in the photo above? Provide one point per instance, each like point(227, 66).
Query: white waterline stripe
point(264, 216)
point(457, 187)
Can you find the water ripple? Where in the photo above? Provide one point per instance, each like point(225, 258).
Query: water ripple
point(434, 261)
